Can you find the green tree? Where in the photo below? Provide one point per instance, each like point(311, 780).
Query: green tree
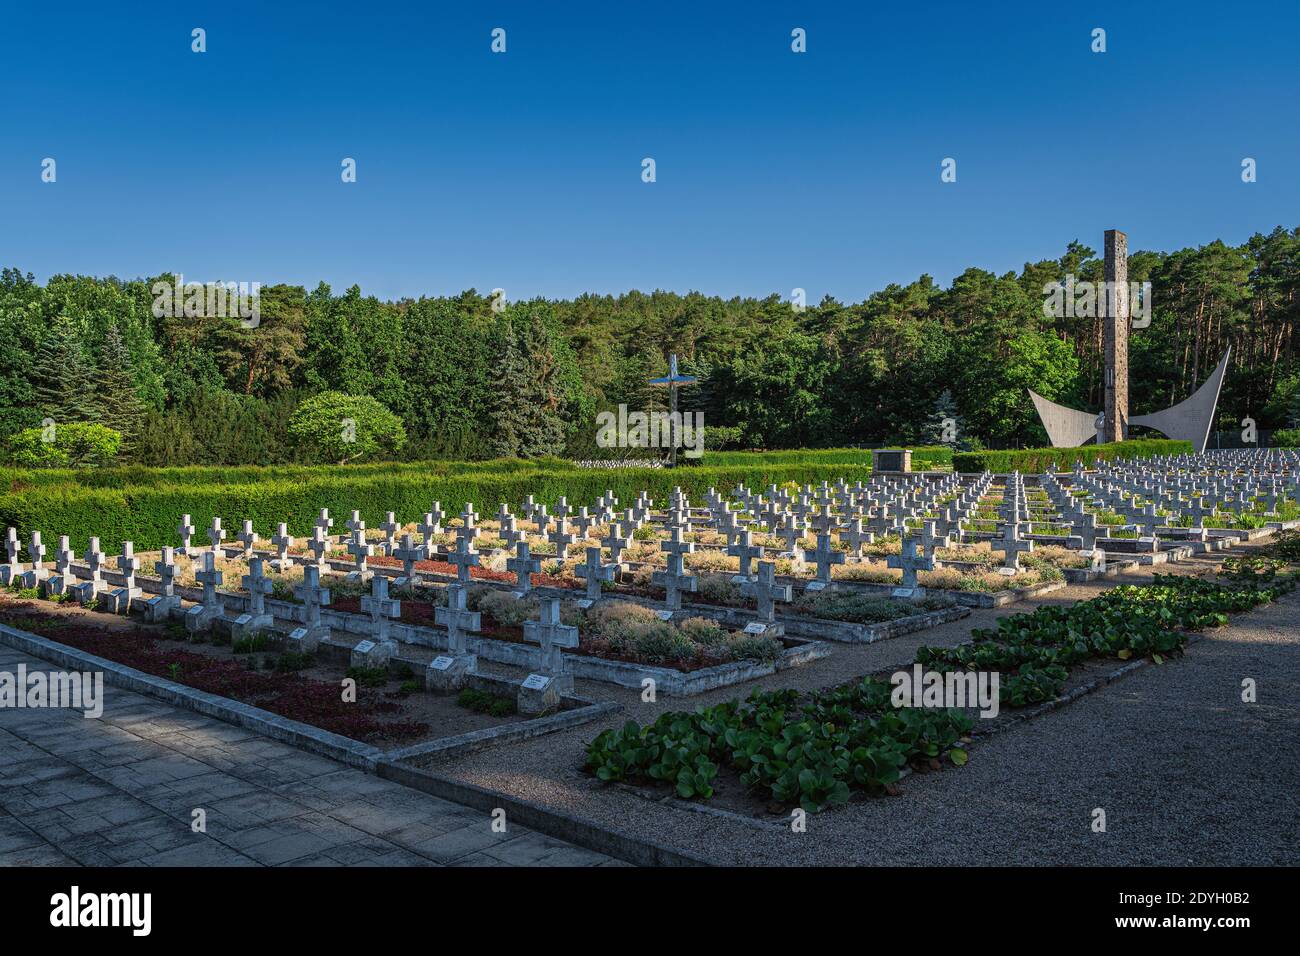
point(119, 406)
point(62, 383)
point(74, 445)
point(341, 428)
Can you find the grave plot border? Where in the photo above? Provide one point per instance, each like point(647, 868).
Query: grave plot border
point(667, 680)
point(842, 632)
point(355, 753)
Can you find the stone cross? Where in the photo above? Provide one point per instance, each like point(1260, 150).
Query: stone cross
point(360, 551)
point(1012, 545)
point(595, 573)
point(409, 553)
point(158, 607)
point(582, 523)
point(165, 566)
point(616, 541)
point(675, 580)
point(186, 531)
point(464, 558)
point(911, 560)
point(282, 543)
point(319, 545)
point(381, 607)
point(390, 527)
point(509, 529)
point(523, 564)
point(256, 618)
point(826, 558)
point(313, 598)
point(128, 564)
point(553, 637)
point(200, 616)
point(457, 619)
point(247, 539)
point(63, 577)
point(324, 523)
point(1087, 528)
point(258, 586)
point(561, 538)
point(12, 567)
point(216, 534)
point(468, 527)
point(766, 592)
point(791, 532)
point(745, 551)
point(930, 540)
point(431, 525)
point(38, 572)
point(854, 535)
point(95, 561)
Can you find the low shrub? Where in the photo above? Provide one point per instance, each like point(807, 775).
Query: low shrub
point(1038, 460)
point(483, 702)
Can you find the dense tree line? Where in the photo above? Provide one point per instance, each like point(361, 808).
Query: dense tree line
point(468, 380)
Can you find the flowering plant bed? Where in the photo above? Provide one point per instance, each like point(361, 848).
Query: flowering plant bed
point(389, 708)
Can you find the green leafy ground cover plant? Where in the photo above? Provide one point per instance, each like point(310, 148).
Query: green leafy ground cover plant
point(1035, 651)
point(815, 751)
point(812, 751)
point(483, 702)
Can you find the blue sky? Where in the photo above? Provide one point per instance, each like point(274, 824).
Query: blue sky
point(523, 170)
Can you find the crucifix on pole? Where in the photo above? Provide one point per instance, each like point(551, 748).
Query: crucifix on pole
point(673, 380)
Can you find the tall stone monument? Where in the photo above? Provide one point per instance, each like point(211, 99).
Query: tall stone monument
point(1116, 303)
point(1190, 420)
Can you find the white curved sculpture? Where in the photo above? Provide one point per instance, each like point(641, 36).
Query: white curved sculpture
point(1189, 420)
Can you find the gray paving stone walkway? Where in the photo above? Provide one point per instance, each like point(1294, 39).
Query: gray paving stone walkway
point(122, 790)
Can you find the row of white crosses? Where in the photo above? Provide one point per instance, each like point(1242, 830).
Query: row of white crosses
point(65, 580)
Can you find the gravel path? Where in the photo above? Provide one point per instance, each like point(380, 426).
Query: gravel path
point(1185, 772)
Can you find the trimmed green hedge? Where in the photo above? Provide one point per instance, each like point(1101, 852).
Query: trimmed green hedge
point(144, 505)
point(147, 513)
point(1038, 460)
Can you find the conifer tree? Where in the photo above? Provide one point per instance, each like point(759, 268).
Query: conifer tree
point(62, 385)
point(119, 405)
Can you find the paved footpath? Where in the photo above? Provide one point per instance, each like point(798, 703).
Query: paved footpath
point(121, 790)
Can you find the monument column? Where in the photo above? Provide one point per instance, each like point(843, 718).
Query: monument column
point(1115, 303)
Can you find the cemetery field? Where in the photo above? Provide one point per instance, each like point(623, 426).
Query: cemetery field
point(648, 662)
point(140, 504)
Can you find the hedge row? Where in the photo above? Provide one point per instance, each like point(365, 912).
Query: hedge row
point(1038, 460)
point(128, 476)
point(148, 513)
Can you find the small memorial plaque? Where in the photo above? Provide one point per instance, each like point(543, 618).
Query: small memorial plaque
point(815, 586)
point(243, 619)
point(907, 593)
point(365, 647)
point(537, 681)
point(584, 604)
point(664, 615)
point(755, 627)
point(441, 663)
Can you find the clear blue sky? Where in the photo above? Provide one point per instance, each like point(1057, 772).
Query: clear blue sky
point(522, 170)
